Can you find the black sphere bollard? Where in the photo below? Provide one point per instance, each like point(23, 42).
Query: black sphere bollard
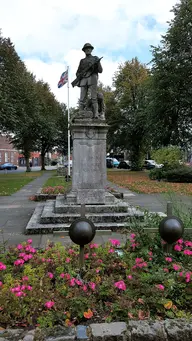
point(171, 229)
point(82, 231)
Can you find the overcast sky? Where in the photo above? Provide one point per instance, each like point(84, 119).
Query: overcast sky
point(49, 34)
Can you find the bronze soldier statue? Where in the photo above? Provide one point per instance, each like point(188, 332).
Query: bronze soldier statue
point(87, 78)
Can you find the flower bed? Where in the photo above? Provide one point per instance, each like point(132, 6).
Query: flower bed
point(42, 287)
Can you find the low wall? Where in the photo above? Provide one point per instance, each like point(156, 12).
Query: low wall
point(167, 330)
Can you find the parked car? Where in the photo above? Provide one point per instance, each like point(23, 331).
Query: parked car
point(123, 165)
point(70, 163)
point(114, 160)
point(8, 166)
point(109, 163)
point(150, 164)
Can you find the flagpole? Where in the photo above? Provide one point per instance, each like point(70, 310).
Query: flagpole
point(68, 125)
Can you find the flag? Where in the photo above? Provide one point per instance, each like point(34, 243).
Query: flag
point(63, 79)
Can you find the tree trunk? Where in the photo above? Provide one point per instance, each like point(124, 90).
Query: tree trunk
point(28, 169)
point(42, 160)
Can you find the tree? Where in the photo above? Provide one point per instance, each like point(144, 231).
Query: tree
point(131, 95)
point(172, 77)
point(46, 125)
point(12, 73)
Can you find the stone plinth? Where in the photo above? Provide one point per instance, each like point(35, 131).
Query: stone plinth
point(89, 162)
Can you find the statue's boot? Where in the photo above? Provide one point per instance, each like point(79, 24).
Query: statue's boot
point(95, 110)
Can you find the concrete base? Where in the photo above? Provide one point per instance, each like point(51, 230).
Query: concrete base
point(57, 215)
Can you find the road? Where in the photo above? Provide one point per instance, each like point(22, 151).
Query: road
point(23, 169)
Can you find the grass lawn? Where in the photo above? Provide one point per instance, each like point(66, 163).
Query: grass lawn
point(139, 182)
point(56, 184)
point(13, 182)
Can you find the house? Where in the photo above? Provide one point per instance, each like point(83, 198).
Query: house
point(8, 153)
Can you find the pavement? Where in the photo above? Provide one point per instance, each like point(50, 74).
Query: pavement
point(17, 209)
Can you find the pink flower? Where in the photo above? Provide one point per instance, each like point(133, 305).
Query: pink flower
point(22, 254)
point(62, 275)
point(43, 260)
point(187, 252)
point(94, 254)
point(120, 285)
point(32, 250)
point(72, 282)
point(181, 274)
point(19, 247)
point(188, 243)
point(86, 256)
point(160, 287)
point(176, 267)
point(180, 241)
point(138, 260)
point(111, 251)
point(115, 242)
point(71, 251)
point(92, 285)
point(177, 247)
point(23, 287)
point(29, 287)
point(97, 271)
point(49, 304)
point(19, 294)
point(130, 277)
point(94, 246)
point(168, 259)
point(132, 235)
point(19, 262)
point(150, 253)
point(1, 284)
point(67, 260)
point(2, 266)
point(29, 241)
point(84, 288)
point(78, 282)
point(188, 277)
point(50, 275)
point(166, 270)
point(99, 261)
point(134, 245)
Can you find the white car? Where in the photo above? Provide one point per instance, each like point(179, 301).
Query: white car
point(150, 164)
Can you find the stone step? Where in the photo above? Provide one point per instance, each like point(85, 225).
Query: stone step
point(51, 228)
point(61, 206)
point(49, 217)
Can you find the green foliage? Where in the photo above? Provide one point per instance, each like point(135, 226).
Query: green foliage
point(131, 89)
point(181, 174)
point(29, 109)
point(168, 155)
point(175, 173)
point(46, 289)
point(171, 81)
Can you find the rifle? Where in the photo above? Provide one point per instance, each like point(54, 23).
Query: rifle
point(81, 75)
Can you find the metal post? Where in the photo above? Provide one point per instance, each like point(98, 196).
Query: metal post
point(81, 259)
point(169, 208)
point(69, 149)
point(82, 210)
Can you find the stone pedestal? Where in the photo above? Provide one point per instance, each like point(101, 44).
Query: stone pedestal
point(89, 162)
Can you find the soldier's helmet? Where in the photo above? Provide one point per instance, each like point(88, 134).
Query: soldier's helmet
point(87, 45)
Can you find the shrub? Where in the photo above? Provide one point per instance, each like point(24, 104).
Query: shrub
point(180, 174)
point(172, 173)
point(43, 286)
point(169, 155)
